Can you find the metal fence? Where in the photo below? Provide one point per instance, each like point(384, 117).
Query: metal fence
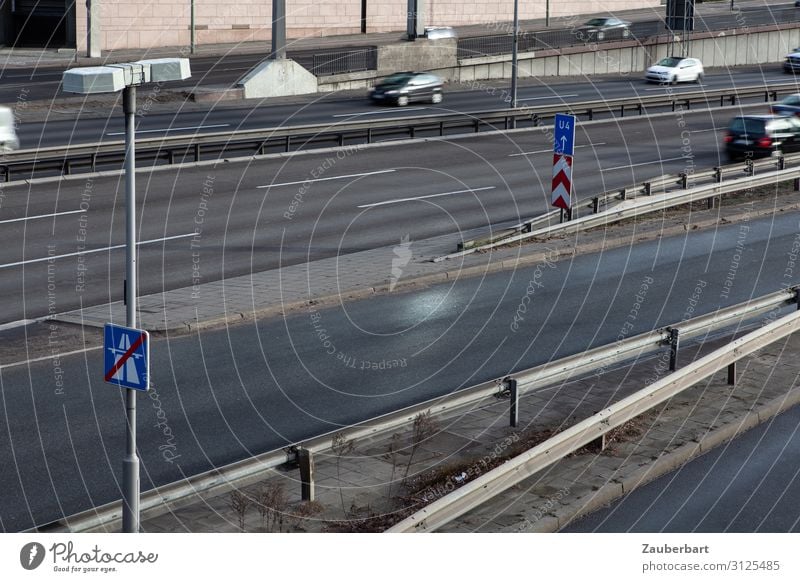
point(497, 44)
point(345, 61)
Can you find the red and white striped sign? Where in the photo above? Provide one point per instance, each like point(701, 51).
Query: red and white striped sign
point(562, 181)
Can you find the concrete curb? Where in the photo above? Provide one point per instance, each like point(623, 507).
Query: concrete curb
point(666, 463)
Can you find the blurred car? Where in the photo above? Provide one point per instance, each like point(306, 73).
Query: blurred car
point(404, 88)
point(789, 105)
point(8, 134)
point(791, 63)
point(675, 70)
point(437, 32)
point(600, 28)
point(755, 136)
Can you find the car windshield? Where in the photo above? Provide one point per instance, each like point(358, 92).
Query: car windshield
point(397, 79)
point(747, 125)
point(669, 62)
point(791, 100)
point(597, 22)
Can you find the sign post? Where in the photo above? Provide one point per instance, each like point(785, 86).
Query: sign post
point(563, 149)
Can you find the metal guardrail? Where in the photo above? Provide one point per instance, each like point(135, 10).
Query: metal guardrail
point(636, 207)
point(516, 470)
point(251, 470)
point(66, 160)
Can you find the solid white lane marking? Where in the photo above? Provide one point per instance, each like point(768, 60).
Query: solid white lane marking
point(18, 323)
point(172, 129)
point(379, 112)
point(328, 178)
point(548, 97)
point(425, 197)
point(550, 151)
point(709, 129)
point(49, 357)
point(101, 250)
point(39, 216)
point(641, 164)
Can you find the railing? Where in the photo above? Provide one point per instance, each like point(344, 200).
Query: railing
point(65, 160)
point(516, 470)
point(633, 207)
point(248, 471)
point(533, 40)
point(347, 61)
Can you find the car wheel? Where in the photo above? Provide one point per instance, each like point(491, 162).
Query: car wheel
point(402, 101)
point(436, 98)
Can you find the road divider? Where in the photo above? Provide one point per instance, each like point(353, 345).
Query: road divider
point(66, 160)
point(641, 200)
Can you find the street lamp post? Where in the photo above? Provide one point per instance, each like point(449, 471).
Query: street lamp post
point(111, 79)
point(514, 50)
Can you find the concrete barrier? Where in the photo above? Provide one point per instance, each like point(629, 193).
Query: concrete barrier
point(742, 46)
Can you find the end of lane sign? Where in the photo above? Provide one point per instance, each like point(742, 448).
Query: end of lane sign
point(126, 357)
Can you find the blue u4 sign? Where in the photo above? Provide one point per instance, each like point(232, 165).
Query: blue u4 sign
point(564, 134)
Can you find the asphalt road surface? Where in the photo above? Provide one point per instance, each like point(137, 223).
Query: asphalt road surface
point(260, 215)
point(95, 123)
point(747, 485)
point(226, 394)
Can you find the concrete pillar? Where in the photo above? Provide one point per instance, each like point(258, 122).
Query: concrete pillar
point(70, 23)
point(513, 397)
point(278, 29)
point(415, 24)
point(93, 12)
point(306, 461)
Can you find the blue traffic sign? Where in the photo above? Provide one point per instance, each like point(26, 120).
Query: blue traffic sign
point(127, 357)
point(564, 135)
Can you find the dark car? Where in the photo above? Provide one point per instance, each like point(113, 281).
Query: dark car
point(403, 88)
point(754, 136)
point(605, 28)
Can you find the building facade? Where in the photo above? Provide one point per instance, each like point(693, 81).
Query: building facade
point(143, 24)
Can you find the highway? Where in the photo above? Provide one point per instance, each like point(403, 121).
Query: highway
point(226, 394)
point(96, 123)
point(748, 485)
point(260, 215)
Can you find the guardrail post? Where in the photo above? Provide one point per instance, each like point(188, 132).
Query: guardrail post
point(797, 184)
point(197, 152)
point(441, 128)
point(781, 163)
point(590, 113)
point(673, 349)
point(595, 205)
point(341, 138)
point(6, 174)
point(648, 188)
point(748, 168)
point(477, 125)
point(513, 405)
point(94, 161)
point(732, 374)
point(66, 168)
point(712, 202)
point(718, 175)
point(684, 179)
point(306, 461)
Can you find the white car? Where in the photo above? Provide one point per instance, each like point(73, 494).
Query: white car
point(8, 135)
point(675, 70)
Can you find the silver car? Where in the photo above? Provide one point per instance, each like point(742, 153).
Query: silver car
point(600, 28)
point(8, 135)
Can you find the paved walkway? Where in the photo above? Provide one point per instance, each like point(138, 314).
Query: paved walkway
point(362, 274)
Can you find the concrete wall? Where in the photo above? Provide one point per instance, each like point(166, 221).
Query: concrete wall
point(165, 23)
point(758, 46)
